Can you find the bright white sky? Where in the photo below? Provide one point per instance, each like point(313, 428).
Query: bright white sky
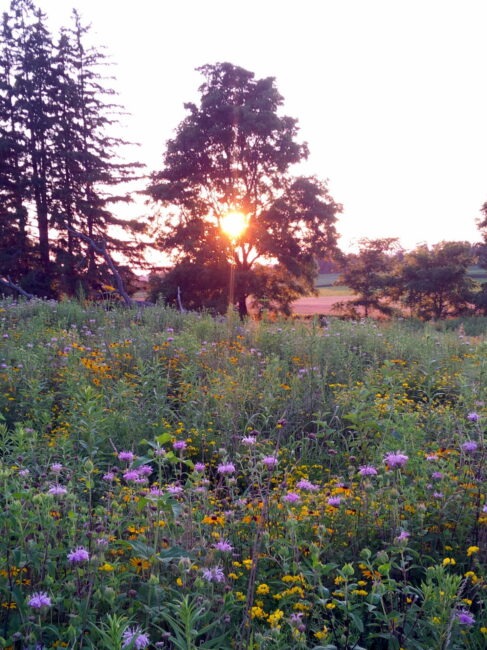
point(390, 94)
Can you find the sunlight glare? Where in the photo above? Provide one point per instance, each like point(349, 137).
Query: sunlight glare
point(233, 224)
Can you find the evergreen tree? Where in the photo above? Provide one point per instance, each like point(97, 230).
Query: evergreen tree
point(61, 173)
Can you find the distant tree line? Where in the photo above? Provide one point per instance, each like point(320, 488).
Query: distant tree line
point(60, 174)
point(429, 283)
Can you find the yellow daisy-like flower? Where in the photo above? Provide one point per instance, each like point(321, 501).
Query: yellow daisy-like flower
point(275, 617)
point(449, 561)
point(257, 612)
point(471, 550)
point(263, 589)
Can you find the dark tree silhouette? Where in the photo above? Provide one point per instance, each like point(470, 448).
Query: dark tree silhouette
point(235, 151)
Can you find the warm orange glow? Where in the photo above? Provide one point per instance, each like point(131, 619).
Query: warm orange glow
point(234, 224)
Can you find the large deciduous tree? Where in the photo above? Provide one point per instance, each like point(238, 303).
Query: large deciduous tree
point(235, 151)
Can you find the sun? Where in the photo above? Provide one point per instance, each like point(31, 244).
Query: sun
point(233, 224)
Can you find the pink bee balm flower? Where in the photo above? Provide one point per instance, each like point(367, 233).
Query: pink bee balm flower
point(78, 555)
point(270, 461)
point(126, 456)
point(395, 459)
point(215, 574)
point(305, 484)
point(223, 545)
point(57, 490)
point(465, 618)
point(291, 497)
point(367, 470)
point(226, 468)
point(179, 445)
point(39, 599)
point(199, 467)
point(334, 501)
point(469, 446)
point(135, 638)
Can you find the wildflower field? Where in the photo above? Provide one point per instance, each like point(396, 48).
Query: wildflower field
point(175, 481)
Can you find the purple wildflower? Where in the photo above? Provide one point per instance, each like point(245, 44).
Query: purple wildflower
point(469, 446)
point(270, 461)
point(305, 484)
point(24, 472)
point(395, 459)
point(133, 636)
point(226, 468)
point(402, 537)
point(57, 490)
point(199, 467)
point(131, 475)
point(126, 456)
point(291, 497)
point(174, 489)
point(144, 470)
point(465, 618)
point(437, 476)
point(249, 440)
point(473, 417)
point(214, 574)
point(39, 599)
point(78, 555)
point(367, 470)
point(109, 476)
point(334, 501)
point(56, 468)
point(179, 445)
point(223, 545)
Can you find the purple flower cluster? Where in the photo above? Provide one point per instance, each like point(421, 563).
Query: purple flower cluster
point(138, 474)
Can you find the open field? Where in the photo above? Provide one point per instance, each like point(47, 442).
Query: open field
point(181, 482)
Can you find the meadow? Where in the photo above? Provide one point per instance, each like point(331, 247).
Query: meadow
point(182, 482)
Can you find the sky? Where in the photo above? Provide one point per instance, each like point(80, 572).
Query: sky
point(390, 95)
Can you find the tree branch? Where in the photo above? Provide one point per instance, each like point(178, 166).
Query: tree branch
point(15, 287)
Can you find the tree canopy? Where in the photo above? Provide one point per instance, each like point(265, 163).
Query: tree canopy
point(234, 151)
